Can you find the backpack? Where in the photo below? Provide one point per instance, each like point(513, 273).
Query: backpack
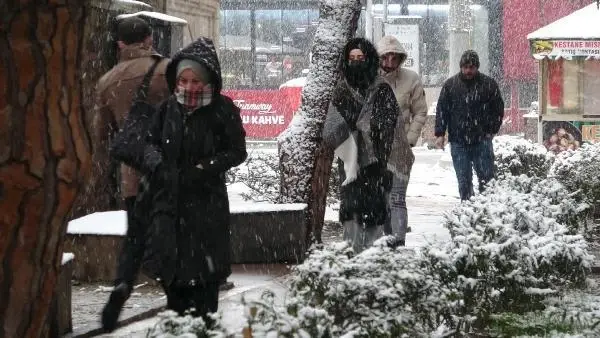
point(130, 141)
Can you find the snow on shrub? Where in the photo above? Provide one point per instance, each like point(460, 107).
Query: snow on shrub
point(514, 244)
point(516, 156)
point(378, 293)
point(261, 174)
point(579, 170)
point(170, 325)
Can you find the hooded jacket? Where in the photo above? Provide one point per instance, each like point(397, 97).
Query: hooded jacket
point(408, 90)
point(186, 202)
point(114, 96)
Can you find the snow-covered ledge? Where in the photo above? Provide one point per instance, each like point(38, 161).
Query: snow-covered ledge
point(260, 233)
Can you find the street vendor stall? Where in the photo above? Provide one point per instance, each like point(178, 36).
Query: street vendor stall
point(568, 51)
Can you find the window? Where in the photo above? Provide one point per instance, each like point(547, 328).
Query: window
point(591, 88)
point(279, 51)
point(528, 92)
point(573, 87)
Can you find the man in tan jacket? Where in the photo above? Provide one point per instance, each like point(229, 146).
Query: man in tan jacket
point(410, 95)
point(115, 92)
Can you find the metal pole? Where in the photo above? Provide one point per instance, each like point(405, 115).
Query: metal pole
point(369, 20)
point(385, 11)
point(459, 32)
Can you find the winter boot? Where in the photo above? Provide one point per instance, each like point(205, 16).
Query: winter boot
point(112, 310)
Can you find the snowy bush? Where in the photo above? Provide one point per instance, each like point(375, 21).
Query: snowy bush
point(514, 244)
point(170, 325)
point(579, 170)
point(295, 319)
point(516, 156)
point(378, 293)
point(261, 174)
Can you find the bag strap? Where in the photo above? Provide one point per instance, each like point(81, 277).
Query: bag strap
point(142, 92)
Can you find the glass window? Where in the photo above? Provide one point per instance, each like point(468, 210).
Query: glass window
point(591, 88)
point(234, 48)
point(283, 39)
point(571, 87)
point(528, 93)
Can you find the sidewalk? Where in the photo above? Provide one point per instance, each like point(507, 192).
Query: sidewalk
point(250, 281)
point(431, 192)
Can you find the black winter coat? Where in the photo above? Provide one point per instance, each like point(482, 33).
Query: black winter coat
point(187, 207)
point(469, 109)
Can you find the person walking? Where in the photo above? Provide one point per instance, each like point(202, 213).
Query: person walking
point(470, 109)
point(196, 136)
point(115, 93)
point(409, 92)
point(362, 126)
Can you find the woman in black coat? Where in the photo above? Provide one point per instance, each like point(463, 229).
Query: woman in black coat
point(196, 136)
point(360, 126)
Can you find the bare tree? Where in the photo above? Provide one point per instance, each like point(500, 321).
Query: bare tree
point(305, 163)
point(43, 154)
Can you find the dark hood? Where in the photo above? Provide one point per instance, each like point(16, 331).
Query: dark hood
point(371, 57)
point(202, 51)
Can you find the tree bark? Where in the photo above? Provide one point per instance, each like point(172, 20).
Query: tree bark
point(305, 163)
point(44, 153)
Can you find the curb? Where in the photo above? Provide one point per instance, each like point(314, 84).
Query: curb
point(121, 323)
point(136, 318)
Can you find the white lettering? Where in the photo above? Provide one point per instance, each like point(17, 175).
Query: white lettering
point(263, 120)
point(262, 108)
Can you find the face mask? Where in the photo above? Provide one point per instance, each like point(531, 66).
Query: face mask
point(356, 73)
point(194, 99)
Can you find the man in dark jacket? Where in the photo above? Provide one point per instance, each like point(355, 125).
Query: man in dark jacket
point(470, 108)
point(114, 96)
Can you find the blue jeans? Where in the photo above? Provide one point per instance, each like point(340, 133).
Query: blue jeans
point(397, 220)
point(465, 158)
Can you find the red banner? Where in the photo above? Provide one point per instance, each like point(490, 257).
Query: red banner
point(265, 113)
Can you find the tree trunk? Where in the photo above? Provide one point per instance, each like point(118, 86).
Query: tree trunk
point(44, 153)
point(100, 192)
point(305, 163)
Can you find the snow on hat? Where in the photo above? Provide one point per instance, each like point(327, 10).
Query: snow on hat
point(196, 67)
point(469, 57)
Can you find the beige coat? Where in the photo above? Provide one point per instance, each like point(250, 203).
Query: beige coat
point(114, 95)
point(408, 89)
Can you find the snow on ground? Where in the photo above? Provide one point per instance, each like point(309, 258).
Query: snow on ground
point(432, 191)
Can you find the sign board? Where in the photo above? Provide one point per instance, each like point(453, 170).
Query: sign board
point(565, 48)
point(264, 113)
point(408, 35)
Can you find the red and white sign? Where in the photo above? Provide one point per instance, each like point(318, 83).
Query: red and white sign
point(264, 112)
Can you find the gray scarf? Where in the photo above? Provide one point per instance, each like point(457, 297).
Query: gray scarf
point(336, 131)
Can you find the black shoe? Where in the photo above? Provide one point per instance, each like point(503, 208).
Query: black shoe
point(112, 310)
point(225, 286)
point(395, 242)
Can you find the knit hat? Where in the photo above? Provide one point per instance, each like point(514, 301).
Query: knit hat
point(469, 57)
point(196, 67)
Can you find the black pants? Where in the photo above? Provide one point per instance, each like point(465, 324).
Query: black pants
point(132, 251)
point(199, 299)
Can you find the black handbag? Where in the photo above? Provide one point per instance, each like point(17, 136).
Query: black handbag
point(129, 143)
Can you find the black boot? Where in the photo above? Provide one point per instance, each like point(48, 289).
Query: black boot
point(112, 310)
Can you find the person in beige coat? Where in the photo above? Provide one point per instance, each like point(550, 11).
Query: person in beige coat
point(410, 95)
